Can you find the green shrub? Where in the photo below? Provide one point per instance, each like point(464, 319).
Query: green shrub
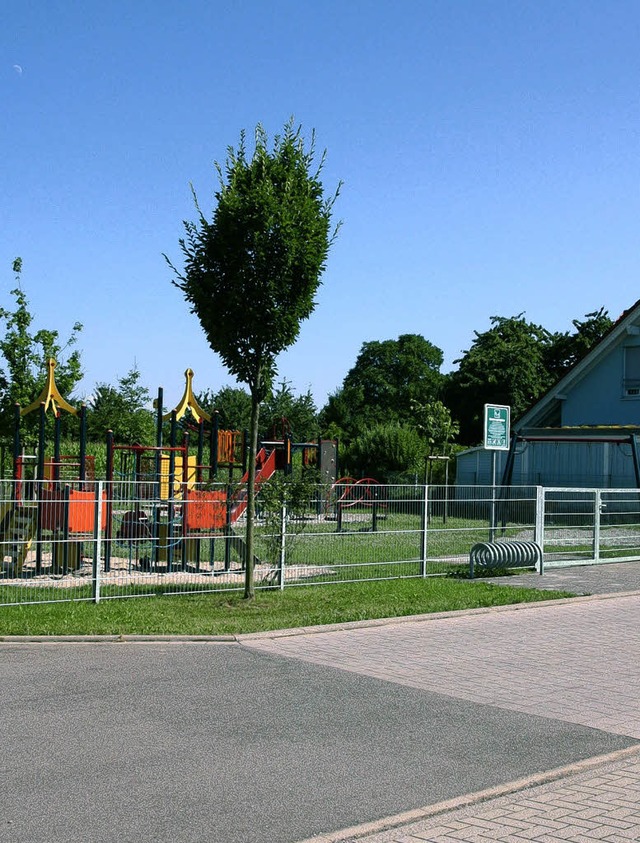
point(390, 453)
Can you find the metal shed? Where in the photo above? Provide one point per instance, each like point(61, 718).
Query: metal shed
point(583, 457)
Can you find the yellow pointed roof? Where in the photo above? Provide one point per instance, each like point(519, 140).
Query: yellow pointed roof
point(188, 402)
point(50, 395)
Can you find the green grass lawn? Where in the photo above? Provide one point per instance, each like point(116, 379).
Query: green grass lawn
point(217, 614)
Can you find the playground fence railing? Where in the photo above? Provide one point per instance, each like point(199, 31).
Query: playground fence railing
point(97, 540)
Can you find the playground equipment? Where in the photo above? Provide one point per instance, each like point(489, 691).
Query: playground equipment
point(186, 505)
point(62, 465)
point(46, 503)
point(164, 508)
point(356, 501)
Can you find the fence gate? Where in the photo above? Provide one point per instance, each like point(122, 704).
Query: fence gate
point(590, 526)
point(619, 525)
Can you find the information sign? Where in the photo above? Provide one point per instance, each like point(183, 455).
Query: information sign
point(497, 423)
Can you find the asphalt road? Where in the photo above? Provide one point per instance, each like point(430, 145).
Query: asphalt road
point(215, 742)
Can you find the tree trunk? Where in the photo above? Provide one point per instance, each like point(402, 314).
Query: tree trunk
point(249, 586)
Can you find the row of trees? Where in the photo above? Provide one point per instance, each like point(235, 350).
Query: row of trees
point(394, 406)
point(513, 362)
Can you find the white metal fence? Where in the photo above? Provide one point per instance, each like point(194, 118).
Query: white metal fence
point(99, 540)
point(590, 526)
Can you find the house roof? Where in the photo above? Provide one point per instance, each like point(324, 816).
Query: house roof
point(626, 320)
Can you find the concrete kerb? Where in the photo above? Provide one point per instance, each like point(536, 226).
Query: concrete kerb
point(238, 638)
point(118, 639)
point(429, 616)
point(468, 800)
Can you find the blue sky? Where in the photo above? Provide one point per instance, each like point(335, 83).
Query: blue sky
point(489, 151)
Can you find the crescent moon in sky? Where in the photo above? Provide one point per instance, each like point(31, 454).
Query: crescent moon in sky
point(17, 69)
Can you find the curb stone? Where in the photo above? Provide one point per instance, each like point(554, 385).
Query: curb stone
point(416, 815)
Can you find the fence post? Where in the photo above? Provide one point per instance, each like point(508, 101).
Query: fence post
point(597, 513)
point(97, 536)
point(227, 527)
point(539, 526)
point(66, 498)
point(423, 534)
point(374, 511)
point(283, 537)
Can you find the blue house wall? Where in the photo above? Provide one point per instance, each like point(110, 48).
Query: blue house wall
point(597, 398)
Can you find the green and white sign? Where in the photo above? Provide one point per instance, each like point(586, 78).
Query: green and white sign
point(497, 424)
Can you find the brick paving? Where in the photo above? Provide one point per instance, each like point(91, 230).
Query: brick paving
point(606, 578)
point(577, 661)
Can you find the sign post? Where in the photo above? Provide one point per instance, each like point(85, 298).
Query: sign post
point(497, 424)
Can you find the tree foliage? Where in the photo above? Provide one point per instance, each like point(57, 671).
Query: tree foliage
point(293, 492)
point(25, 354)
point(297, 412)
point(567, 349)
point(505, 365)
point(338, 419)
point(251, 273)
point(231, 403)
point(381, 386)
point(390, 453)
point(124, 409)
point(435, 424)
point(514, 363)
point(438, 430)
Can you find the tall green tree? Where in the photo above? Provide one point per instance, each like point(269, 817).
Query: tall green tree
point(124, 409)
point(568, 348)
point(231, 403)
point(380, 387)
point(338, 418)
point(298, 412)
point(506, 364)
point(514, 363)
point(25, 354)
point(251, 272)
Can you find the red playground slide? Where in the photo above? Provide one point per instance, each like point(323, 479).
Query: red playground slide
point(265, 467)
